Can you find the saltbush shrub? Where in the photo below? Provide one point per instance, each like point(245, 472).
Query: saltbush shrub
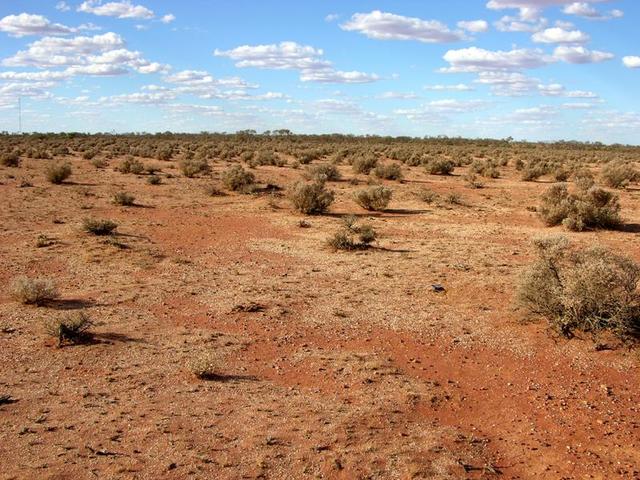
point(374, 198)
point(310, 198)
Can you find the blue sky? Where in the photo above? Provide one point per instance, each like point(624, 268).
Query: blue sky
point(531, 69)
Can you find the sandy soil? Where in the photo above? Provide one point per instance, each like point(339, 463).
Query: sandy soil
point(332, 365)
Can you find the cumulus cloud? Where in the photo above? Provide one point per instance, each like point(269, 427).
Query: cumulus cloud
point(530, 9)
point(571, 54)
point(168, 18)
point(460, 87)
point(584, 10)
point(397, 96)
point(123, 9)
point(474, 26)
point(63, 6)
point(516, 84)
point(26, 24)
point(293, 56)
point(474, 59)
point(631, 62)
point(388, 26)
point(513, 24)
point(560, 35)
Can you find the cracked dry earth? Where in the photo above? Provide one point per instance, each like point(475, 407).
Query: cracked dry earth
point(331, 365)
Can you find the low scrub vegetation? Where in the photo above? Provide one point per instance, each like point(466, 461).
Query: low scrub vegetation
point(619, 174)
point(582, 210)
point(353, 236)
point(388, 171)
point(131, 165)
point(195, 166)
point(71, 328)
point(310, 198)
point(323, 172)
point(374, 198)
point(124, 199)
point(34, 291)
point(587, 290)
point(238, 179)
point(58, 172)
point(440, 166)
point(99, 227)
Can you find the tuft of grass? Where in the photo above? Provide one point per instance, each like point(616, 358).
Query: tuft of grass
point(72, 328)
point(205, 366)
point(124, 199)
point(58, 173)
point(154, 180)
point(353, 236)
point(131, 165)
point(34, 291)
point(427, 195)
point(99, 226)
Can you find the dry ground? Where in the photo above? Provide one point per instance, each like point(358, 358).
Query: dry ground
point(333, 365)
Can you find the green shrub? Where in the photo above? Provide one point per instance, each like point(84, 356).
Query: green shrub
point(34, 291)
point(374, 198)
point(323, 172)
point(590, 209)
point(310, 198)
point(99, 227)
point(131, 165)
point(427, 195)
point(194, 166)
point(582, 290)
point(364, 164)
point(238, 179)
point(58, 173)
point(353, 236)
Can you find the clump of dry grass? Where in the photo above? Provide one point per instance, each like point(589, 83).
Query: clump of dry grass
point(191, 167)
point(364, 163)
point(72, 328)
point(10, 159)
point(618, 174)
point(582, 210)
point(34, 291)
point(58, 172)
point(131, 165)
point(310, 198)
point(388, 171)
point(582, 290)
point(204, 366)
point(99, 226)
point(440, 166)
point(323, 172)
point(374, 198)
point(124, 199)
point(353, 236)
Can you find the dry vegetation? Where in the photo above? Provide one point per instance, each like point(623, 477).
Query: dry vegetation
point(408, 329)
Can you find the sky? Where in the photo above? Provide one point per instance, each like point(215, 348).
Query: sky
point(528, 69)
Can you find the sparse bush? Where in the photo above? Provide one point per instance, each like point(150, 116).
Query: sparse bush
point(131, 165)
point(124, 199)
point(323, 172)
point(427, 195)
point(204, 366)
point(440, 166)
point(237, 179)
point(364, 164)
point(389, 171)
point(213, 191)
point(486, 168)
point(194, 166)
point(99, 227)
point(310, 198)
point(34, 291)
point(353, 236)
point(374, 198)
point(618, 174)
point(453, 199)
point(72, 328)
point(58, 173)
point(472, 180)
point(10, 159)
point(154, 180)
point(593, 208)
point(582, 290)
point(583, 179)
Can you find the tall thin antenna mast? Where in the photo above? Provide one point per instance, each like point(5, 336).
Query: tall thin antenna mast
point(20, 114)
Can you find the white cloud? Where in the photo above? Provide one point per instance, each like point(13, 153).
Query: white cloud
point(512, 24)
point(529, 9)
point(144, 98)
point(63, 6)
point(293, 56)
point(560, 35)
point(168, 18)
point(26, 24)
point(584, 10)
point(123, 9)
point(474, 59)
point(332, 17)
point(580, 55)
point(474, 26)
point(397, 96)
point(631, 62)
point(388, 26)
point(516, 84)
point(460, 87)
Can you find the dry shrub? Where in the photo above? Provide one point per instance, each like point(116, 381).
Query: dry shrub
point(99, 227)
point(154, 180)
point(10, 159)
point(310, 198)
point(124, 199)
point(472, 180)
point(440, 166)
point(34, 291)
point(374, 198)
point(194, 166)
point(364, 164)
point(131, 165)
point(323, 172)
point(582, 290)
point(427, 195)
point(72, 328)
point(618, 174)
point(486, 168)
point(389, 171)
point(353, 236)
point(582, 210)
point(58, 173)
point(204, 366)
point(238, 179)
